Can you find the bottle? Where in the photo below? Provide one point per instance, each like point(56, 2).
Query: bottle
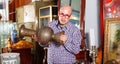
point(14, 34)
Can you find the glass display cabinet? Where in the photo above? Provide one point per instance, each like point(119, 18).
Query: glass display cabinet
point(47, 14)
point(5, 30)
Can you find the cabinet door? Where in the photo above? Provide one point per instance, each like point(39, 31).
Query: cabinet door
point(43, 21)
point(47, 14)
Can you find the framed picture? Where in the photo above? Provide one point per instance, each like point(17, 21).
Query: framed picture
point(112, 41)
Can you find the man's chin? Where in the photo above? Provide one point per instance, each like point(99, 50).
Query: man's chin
point(62, 23)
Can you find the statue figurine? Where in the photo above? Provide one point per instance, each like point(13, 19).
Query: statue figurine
point(9, 44)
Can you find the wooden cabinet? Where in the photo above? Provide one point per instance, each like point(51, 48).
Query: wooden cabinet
point(29, 12)
point(25, 55)
point(19, 15)
point(13, 4)
point(25, 14)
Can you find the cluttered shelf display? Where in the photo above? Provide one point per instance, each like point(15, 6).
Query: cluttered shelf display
point(5, 28)
point(10, 42)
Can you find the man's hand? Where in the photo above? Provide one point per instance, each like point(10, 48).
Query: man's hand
point(63, 38)
point(35, 37)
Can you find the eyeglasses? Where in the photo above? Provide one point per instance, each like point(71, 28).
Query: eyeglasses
point(65, 15)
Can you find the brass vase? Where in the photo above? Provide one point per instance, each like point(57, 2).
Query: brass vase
point(45, 34)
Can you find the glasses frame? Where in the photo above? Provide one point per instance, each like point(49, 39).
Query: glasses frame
point(64, 15)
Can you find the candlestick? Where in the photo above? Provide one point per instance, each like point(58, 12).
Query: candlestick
point(93, 54)
point(92, 37)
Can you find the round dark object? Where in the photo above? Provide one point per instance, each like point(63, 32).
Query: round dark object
point(45, 35)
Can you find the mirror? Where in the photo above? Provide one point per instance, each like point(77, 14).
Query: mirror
point(75, 4)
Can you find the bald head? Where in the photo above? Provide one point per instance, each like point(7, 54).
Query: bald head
point(64, 14)
point(66, 8)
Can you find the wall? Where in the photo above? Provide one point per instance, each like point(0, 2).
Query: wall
point(92, 21)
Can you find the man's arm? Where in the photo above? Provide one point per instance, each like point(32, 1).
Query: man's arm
point(72, 44)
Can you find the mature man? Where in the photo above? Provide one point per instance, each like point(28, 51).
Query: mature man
point(64, 53)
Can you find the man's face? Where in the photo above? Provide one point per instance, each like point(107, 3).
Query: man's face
point(64, 16)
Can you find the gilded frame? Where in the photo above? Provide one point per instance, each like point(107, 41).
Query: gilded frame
point(112, 41)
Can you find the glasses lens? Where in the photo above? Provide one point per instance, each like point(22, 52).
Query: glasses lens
point(65, 15)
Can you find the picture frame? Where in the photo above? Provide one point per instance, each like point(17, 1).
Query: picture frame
point(112, 41)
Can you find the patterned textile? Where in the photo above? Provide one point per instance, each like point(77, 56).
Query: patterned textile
point(64, 54)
